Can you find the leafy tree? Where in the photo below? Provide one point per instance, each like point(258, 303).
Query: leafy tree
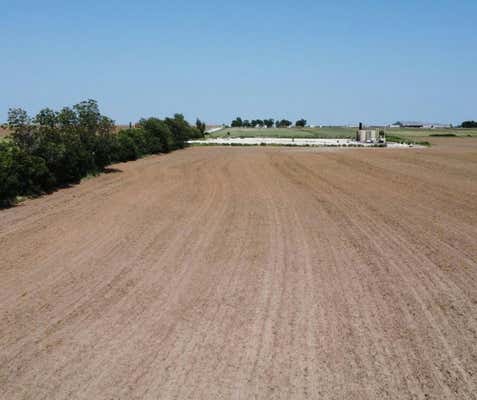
point(300, 123)
point(88, 116)
point(469, 124)
point(161, 131)
point(21, 125)
point(103, 147)
point(237, 123)
point(284, 123)
point(18, 118)
point(200, 126)
point(181, 130)
point(256, 122)
point(142, 139)
point(67, 118)
point(94, 130)
point(269, 122)
point(47, 118)
point(20, 173)
point(125, 148)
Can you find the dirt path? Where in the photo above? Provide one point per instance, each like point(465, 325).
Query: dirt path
point(219, 273)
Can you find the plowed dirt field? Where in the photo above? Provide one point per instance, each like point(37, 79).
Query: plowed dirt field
point(240, 273)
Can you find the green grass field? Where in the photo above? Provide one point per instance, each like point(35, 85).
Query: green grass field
point(417, 133)
point(338, 132)
point(299, 133)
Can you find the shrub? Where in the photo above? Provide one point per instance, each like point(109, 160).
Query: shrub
point(103, 150)
point(125, 148)
point(20, 173)
point(160, 131)
point(64, 155)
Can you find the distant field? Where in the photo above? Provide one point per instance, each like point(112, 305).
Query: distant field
point(303, 133)
point(336, 132)
point(419, 133)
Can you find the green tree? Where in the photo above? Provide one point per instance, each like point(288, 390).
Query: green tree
point(125, 147)
point(20, 173)
point(469, 124)
point(200, 126)
point(284, 123)
point(20, 124)
point(47, 118)
point(94, 130)
point(269, 122)
point(161, 131)
point(88, 116)
point(18, 118)
point(67, 119)
point(181, 130)
point(237, 123)
point(300, 123)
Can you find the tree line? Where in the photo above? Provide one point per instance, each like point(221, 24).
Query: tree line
point(265, 123)
point(57, 148)
point(469, 124)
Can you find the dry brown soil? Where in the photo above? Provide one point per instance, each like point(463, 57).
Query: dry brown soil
point(241, 273)
point(3, 132)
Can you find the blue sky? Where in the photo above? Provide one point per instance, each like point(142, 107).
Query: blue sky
point(327, 61)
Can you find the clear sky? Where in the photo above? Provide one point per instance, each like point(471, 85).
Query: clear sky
point(327, 61)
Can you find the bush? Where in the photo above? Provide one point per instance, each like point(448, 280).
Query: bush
point(158, 130)
point(131, 144)
point(125, 148)
point(20, 173)
point(66, 158)
point(103, 150)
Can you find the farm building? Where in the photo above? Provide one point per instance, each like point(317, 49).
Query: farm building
point(433, 125)
point(411, 124)
point(364, 135)
point(425, 125)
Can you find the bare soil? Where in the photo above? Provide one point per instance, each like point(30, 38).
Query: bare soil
point(4, 132)
point(268, 273)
